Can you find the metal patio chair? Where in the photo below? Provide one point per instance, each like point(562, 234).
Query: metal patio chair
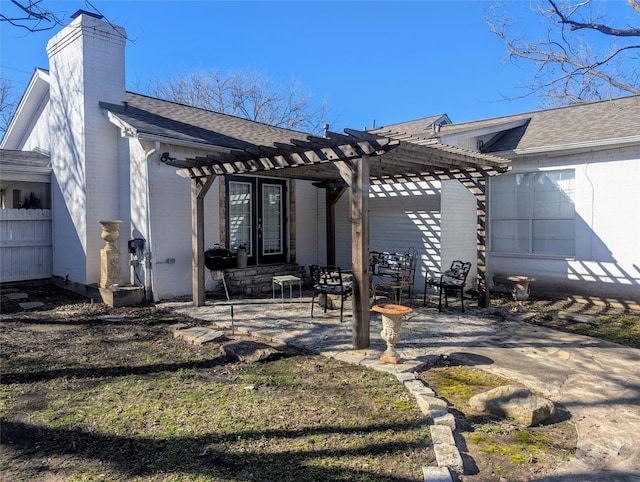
point(452, 280)
point(328, 280)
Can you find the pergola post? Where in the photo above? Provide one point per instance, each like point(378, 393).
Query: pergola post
point(199, 188)
point(478, 187)
point(360, 252)
point(484, 295)
point(355, 172)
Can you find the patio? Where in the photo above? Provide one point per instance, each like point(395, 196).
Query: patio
point(336, 162)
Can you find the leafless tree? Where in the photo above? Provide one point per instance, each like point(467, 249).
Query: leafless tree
point(245, 94)
point(8, 101)
point(569, 67)
point(31, 15)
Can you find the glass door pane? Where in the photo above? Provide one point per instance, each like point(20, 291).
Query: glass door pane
point(240, 215)
point(272, 219)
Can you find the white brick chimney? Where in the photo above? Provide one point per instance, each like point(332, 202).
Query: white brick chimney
point(86, 61)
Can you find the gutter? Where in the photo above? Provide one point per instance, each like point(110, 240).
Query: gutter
point(149, 272)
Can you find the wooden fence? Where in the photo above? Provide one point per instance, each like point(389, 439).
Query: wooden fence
point(25, 244)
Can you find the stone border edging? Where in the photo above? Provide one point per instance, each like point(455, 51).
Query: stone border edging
point(442, 422)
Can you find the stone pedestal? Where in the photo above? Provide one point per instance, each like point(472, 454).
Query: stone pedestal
point(520, 291)
point(110, 271)
point(111, 288)
point(391, 324)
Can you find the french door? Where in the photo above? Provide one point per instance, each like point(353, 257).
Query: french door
point(256, 218)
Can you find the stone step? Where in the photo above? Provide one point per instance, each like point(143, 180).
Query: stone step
point(258, 279)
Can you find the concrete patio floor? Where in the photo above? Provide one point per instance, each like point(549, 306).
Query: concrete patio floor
point(597, 381)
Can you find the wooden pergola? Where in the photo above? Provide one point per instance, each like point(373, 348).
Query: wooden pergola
point(353, 160)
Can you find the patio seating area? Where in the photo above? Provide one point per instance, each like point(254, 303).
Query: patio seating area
point(267, 317)
point(393, 274)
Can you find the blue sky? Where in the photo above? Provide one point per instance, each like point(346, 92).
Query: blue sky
point(390, 61)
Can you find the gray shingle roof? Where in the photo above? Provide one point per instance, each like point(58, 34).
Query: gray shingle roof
point(259, 147)
point(589, 122)
point(418, 126)
point(156, 117)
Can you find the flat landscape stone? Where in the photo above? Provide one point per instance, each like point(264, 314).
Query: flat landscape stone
point(436, 474)
point(446, 419)
point(428, 403)
point(198, 335)
point(30, 305)
point(441, 434)
point(16, 296)
point(514, 402)
point(416, 387)
point(448, 455)
point(249, 351)
point(578, 318)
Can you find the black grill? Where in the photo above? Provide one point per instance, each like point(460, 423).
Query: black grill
point(217, 258)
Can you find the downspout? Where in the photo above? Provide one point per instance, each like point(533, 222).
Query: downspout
point(149, 272)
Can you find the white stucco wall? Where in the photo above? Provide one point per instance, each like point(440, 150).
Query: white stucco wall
point(86, 61)
point(167, 225)
point(400, 217)
point(607, 229)
point(306, 223)
point(459, 228)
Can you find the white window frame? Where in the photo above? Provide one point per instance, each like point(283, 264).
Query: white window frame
point(527, 215)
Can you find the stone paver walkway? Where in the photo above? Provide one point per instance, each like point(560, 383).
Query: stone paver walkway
point(597, 381)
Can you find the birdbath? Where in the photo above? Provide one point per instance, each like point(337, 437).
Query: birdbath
point(520, 290)
point(391, 323)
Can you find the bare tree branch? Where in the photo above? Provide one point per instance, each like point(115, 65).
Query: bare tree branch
point(245, 94)
point(605, 29)
point(568, 68)
point(8, 101)
point(635, 4)
point(31, 16)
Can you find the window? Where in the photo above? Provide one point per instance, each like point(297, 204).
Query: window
point(533, 213)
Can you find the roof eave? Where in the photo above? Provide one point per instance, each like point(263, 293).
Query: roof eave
point(32, 98)
point(575, 147)
point(13, 172)
point(483, 131)
point(128, 131)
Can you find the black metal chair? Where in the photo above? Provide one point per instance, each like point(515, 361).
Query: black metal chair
point(328, 280)
point(400, 268)
point(452, 280)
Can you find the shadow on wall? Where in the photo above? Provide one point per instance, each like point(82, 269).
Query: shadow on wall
point(536, 231)
point(398, 221)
